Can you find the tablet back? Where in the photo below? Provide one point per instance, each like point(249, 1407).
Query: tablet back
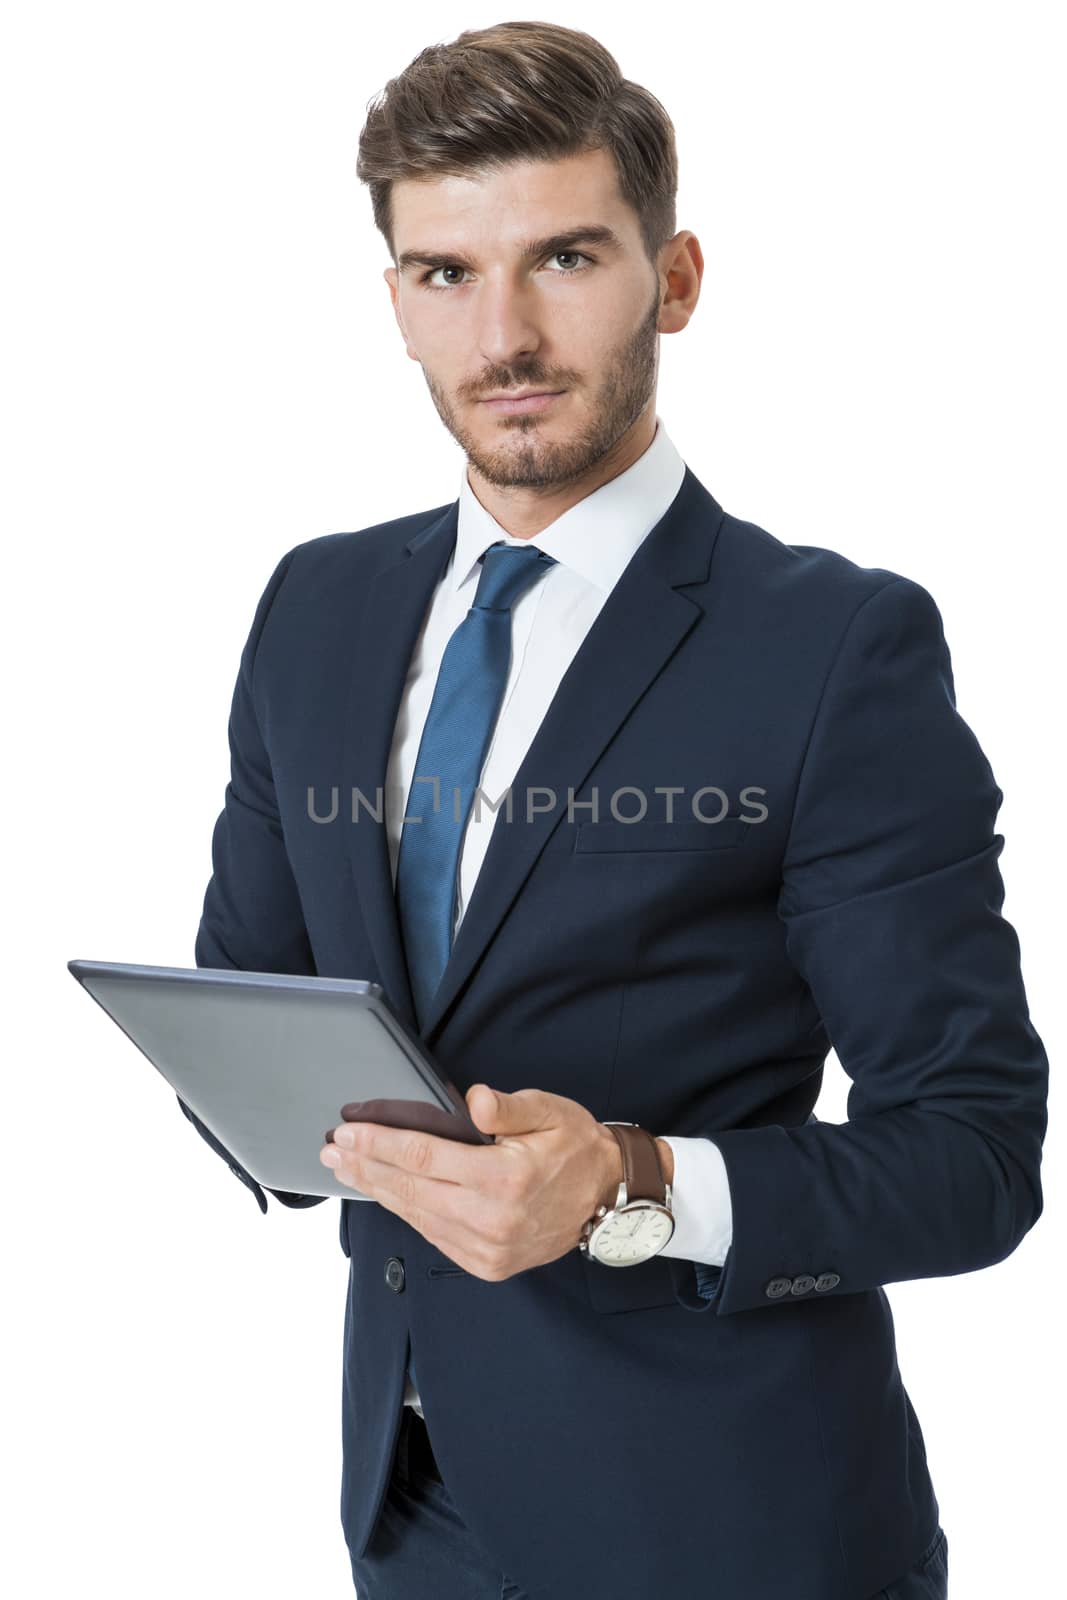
point(267, 1060)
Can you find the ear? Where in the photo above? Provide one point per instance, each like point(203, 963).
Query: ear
point(682, 263)
point(390, 276)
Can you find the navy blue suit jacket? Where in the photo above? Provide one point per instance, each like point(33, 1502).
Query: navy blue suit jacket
point(667, 1429)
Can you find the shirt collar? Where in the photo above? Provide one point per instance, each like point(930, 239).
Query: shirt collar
point(599, 535)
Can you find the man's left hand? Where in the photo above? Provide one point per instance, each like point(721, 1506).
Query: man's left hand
point(492, 1209)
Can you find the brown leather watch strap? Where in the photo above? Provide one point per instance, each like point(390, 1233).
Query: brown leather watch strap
point(640, 1162)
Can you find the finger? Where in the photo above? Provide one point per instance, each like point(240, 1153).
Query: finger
point(424, 1202)
point(469, 1227)
point(425, 1154)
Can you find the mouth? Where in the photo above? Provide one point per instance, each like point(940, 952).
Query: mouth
point(507, 405)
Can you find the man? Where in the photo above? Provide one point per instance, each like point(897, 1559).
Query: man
point(639, 810)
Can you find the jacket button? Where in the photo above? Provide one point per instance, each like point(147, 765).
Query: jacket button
point(826, 1280)
point(394, 1274)
point(803, 1284)
point(778, 1287)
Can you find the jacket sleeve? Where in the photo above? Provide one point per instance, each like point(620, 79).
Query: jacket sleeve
point(252, 919)
point(891, 902)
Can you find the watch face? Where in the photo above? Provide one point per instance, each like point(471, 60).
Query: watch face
point(632, 1235)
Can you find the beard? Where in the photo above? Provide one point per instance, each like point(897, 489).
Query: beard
point(527, 458)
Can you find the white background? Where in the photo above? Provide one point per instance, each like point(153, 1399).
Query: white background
point(201, 369)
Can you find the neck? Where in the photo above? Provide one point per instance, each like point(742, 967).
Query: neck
point(522, 511)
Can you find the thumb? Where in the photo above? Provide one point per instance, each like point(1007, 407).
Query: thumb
point(493, 1111)
point(484, 1104)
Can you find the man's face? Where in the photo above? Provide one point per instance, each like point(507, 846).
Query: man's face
point(486, 316)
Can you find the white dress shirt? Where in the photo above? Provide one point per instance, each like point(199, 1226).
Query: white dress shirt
point(592, 544)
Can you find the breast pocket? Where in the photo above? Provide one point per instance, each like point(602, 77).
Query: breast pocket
point(611, 836)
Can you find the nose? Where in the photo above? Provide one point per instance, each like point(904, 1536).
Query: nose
point(508, 330)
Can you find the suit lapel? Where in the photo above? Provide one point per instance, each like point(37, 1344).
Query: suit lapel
point(639, 628)
point(396, 601)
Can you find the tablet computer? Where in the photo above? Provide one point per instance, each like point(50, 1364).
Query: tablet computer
point(271, 1062)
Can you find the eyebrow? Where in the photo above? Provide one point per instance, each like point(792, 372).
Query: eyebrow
point(532, 249)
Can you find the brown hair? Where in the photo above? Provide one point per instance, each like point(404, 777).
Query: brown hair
point(519, 91)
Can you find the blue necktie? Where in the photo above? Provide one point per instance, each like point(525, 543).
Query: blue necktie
point(466, 701)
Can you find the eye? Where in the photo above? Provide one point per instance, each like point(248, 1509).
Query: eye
point(425, 279)
point(575, 255)
point(558, 255)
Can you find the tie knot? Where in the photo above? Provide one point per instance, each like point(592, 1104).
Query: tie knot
point(507, 571)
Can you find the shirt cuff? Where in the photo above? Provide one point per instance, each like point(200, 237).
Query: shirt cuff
point(703, 1215)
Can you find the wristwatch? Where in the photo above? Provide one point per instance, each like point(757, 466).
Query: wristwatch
point(640, 1222)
